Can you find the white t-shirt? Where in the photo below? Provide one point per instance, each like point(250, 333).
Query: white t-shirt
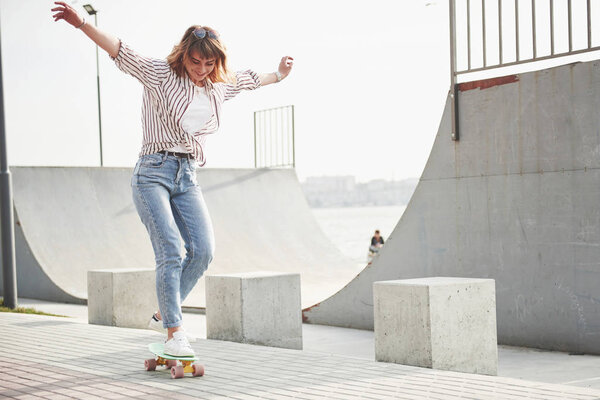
point(197, 114)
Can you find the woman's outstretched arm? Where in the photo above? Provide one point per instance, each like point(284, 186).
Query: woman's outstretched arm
point(250, 80)
point(106, 41)
point(285, 67)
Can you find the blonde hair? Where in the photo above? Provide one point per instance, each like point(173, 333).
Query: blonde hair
point(208, 47)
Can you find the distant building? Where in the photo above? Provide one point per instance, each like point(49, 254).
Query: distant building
point(328, 183)
point(330, 191)
point(343, 191)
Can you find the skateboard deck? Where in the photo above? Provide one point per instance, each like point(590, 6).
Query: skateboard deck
point(172, 362)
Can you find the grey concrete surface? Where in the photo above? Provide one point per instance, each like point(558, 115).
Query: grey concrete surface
point(440, 322)
point(259, 307)
point(72, 220)
point(513, 362)
point(114, 297)
point(515, 200)
point(55, 358)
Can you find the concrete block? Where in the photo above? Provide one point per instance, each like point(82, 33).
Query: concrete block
point(258, 307)
point(441, 323)
point(121, 297)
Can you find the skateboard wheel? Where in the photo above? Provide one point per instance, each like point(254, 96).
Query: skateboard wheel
point(171, 363)
point(198, 370)
point(177, 372)
point(150, 364)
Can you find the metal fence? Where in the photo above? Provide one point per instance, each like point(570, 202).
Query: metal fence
point(274, 138)
point(541, 19)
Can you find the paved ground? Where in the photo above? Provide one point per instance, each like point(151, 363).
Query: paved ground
point(513, 362)
point(58, 358)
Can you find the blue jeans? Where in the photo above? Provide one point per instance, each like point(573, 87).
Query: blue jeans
point(170, 204)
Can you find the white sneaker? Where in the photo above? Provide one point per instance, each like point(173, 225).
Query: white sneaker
point(156, 325)
point(179, 346)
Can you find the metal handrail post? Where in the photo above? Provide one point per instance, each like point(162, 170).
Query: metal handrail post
point(589, 24)
point(263, 132)
point(570, 25)
point(517, 42)
point(483, 31)
point(255, 159)
point(552, 27)
point(468, 34)
point(453, 86)
point(293, 140)
point(533, 30)
point(500, 31)
point(9, 269)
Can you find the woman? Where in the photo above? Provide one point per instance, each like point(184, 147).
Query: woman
point(182, 101)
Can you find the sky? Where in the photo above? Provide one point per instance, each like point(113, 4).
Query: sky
point(369, 82)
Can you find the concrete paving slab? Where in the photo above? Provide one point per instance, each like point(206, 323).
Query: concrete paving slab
point(513, 362)
point(50, 357)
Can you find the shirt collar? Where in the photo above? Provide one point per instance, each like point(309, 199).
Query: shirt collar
point(209, 85)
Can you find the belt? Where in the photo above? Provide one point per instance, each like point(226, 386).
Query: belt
point(180, 155)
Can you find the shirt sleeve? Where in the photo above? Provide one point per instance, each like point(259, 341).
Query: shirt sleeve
point(149, 71)
point(245, 80)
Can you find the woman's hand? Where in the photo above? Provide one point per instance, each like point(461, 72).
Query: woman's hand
point(68, 13)
point(106, 41)
point(285, 66)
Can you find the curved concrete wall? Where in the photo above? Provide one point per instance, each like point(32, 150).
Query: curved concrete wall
point(72, 220)
point(517, 199)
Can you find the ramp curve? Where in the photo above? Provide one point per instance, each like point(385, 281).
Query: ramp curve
point(517, 200)
point(72, 220)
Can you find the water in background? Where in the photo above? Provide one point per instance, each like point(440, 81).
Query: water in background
point(351, 228)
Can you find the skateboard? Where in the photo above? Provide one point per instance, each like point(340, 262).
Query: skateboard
point(177, 371)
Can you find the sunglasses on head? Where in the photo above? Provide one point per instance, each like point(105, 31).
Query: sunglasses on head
point(201, 33)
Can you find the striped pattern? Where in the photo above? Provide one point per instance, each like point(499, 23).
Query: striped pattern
point(167, 97)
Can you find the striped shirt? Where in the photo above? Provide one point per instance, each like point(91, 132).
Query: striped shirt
point(167, 97)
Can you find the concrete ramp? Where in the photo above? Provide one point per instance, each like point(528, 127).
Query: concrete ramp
point(517, 199)
point(72, 220)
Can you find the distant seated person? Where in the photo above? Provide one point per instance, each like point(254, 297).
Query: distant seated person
point(376, 242)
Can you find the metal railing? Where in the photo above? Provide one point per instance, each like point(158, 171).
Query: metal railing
point(274, 138)
point(503, 27)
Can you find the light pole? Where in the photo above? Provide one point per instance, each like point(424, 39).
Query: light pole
point(91, 11)
point(6, 214)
